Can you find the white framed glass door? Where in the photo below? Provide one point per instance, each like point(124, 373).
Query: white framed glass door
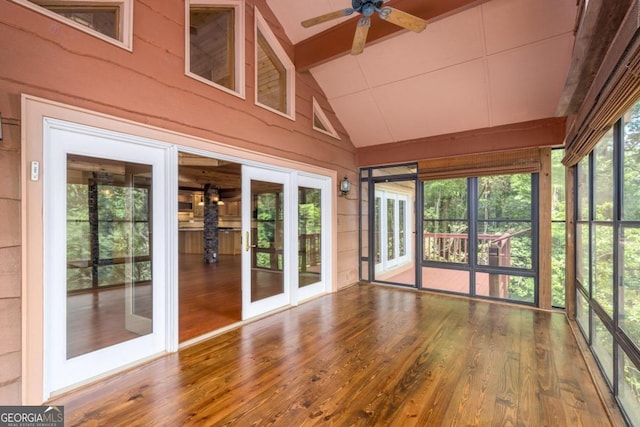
point(105, 252)
point(314, 222)
point(266, 237)
point(393, 229)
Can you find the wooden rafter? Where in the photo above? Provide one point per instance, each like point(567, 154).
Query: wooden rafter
point(337, 40)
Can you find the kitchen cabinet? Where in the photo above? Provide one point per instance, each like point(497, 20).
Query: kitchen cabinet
point(229, 242)
point(191, 241)
point(229, 209)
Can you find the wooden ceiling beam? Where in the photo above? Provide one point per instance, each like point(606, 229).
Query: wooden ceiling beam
point(337, 40)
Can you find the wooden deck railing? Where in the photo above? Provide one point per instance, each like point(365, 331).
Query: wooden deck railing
point(493, 250)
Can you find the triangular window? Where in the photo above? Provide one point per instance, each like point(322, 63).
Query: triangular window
point(320, 121)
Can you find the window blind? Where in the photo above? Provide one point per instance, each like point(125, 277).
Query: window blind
point(496, 163)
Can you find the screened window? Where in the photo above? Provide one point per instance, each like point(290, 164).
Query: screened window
point(446, 223)
point(504, 221)
point(483, 225)
point(607, 254)
point(558, 228)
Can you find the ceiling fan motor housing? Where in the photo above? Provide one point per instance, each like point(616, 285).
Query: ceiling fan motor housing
point(366, 7)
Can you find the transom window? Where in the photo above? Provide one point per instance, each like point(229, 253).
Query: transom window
point(215, 48)
point(108, 20)
point(274, 72)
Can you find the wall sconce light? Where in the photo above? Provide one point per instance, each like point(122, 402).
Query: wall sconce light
point(345, 186)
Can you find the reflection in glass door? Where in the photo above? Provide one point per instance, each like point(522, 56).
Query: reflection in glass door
point(265, 286)
point(105, 253)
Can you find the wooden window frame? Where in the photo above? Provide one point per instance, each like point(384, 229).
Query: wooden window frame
point(261, 27)
point(238, 44)
point(124, 30)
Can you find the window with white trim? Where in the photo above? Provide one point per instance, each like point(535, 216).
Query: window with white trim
point(274, 72)
point(108, 20)
point(215, 44)
point(320, 121)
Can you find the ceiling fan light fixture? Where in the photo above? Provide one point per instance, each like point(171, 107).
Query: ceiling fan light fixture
point(367, 8)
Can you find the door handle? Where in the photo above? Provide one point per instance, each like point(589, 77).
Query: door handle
point(247, 244)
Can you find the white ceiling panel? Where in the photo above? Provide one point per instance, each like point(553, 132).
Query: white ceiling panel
point(512, 23)
point(444, 43)
point(362, 118)
point(292, 13)
point(526, 83)
point(340, 77)
point(431, 105)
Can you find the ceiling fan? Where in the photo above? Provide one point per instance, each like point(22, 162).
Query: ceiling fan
point(367, 8)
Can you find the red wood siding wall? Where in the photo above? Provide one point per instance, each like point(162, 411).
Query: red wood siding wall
point(45, 58)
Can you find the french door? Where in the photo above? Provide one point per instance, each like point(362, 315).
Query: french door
point(393, 229)
point(105, 252)
point(266, 238)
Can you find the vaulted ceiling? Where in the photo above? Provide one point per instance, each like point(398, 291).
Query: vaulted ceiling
point(480, 64)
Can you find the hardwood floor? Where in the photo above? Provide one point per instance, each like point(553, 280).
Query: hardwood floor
point(210, 295)
point(368, 355)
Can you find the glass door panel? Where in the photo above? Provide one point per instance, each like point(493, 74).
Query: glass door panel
point(108, 253)
point(265, 219)
point(267, 235)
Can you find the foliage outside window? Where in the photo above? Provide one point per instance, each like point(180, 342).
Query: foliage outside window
point(501, 215)
point(558, 229)
point(310, 235)
point(446, 223)
point(583, 246)
point(269, 215)
point(103, 238)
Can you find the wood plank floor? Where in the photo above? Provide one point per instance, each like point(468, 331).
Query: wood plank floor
point(210, 294)
point(368, 355)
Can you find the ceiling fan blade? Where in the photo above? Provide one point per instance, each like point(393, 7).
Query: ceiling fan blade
point(327, 17)
point(403, 19)
point(360, 38)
